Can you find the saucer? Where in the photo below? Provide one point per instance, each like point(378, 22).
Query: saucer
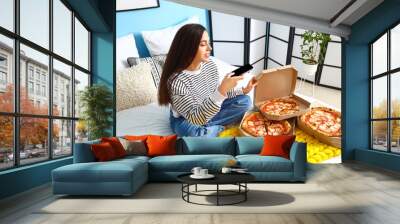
point(208, 176)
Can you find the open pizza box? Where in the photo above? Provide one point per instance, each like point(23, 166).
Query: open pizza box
point(279, 83)
point(292, 122)
point(332, 141)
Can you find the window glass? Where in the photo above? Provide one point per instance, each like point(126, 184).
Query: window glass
point(62, 91)
point(6, 142)
point(81, 81)
point(81, 131)
point(62, 138)
point(39, 62)
point(395, 95)
point(395, 47)
point(6, 74)
point(379, 56)
point(379, 135)
point(81, 45)
point(62, 29)
point(379, 97)
point(33, 139)
point(7, 14)
point(34, 21)
point(395, 136)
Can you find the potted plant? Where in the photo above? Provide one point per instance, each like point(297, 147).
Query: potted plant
point(313, 50)
point(96, 102)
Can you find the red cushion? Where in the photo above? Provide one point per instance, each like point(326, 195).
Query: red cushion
point(103, 151)
point(161, 145)
point(116, 145)
point(136, 137)
point(277, 145)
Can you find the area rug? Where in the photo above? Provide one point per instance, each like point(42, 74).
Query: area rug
point(167, 198)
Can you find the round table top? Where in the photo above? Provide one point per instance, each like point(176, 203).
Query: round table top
point(220, 178)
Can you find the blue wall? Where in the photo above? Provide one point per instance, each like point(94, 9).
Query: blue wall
point(166, 15)
point(356, 91)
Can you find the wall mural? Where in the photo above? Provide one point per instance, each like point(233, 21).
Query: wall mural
point(279, 100)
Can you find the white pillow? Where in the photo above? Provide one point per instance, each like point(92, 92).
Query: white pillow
point(135, 87)
point(126, 47)
point(159, 41)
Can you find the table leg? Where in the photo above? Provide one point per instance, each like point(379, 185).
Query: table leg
point(245, 193)
point(217, 194)
point(196, 188)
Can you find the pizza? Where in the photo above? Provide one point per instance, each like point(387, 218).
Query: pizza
point(256, 125)
point(280, 106)
point(323, 120)
point(278, 127)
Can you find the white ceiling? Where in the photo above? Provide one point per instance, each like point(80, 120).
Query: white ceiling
point(318, 15)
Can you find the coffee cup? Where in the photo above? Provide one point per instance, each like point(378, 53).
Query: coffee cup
point(196, 171)
point(203, 172)
point(226, 170)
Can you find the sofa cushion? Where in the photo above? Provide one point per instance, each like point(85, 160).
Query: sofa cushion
point(249, 145)
point(83, 152)
point(103, 152)
point(116, 145)
point(185, 163)
point(257, 163)
point(161, 145)
point(112, 171)
point(277, 145)
point(204, 145)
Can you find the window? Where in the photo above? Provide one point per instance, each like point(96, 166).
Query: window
point(3, 78)
point(43, 90)
point(30, 72)
point(3, 72)
point(30, 87)
point(54, 125)
point(385, 96)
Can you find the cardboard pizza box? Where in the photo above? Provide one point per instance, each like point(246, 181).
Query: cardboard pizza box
point(332, 141)
point(291, 121)
point(278, 83)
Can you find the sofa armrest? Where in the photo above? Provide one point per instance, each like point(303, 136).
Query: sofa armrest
point(298, 155)
point(83, 152)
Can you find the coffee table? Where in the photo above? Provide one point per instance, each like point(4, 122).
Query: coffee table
point(238, 179)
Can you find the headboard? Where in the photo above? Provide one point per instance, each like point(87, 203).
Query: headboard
point(168, 14)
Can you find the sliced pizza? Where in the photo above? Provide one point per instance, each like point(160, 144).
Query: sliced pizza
point(280, 106)
point(323, 120)
point(278, 127)
point(257, 125)
point(254, 124)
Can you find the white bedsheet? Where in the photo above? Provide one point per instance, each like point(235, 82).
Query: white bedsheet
point(142, 120)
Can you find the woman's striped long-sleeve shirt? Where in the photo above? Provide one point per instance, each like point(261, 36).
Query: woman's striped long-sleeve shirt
point(195, 95)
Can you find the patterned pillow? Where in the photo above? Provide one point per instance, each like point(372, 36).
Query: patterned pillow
point(135, 87)
point(156, 63)
point(137, 147)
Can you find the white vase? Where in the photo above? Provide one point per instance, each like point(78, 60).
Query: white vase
point(309, 70)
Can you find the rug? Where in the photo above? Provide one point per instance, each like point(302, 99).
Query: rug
point(166, 198)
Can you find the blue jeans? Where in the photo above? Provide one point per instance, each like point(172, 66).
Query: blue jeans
point(232, 111)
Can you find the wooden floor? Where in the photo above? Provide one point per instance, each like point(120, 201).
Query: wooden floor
point(378, 189)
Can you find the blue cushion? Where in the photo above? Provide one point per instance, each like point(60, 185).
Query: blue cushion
point(257, 163)
point(249, 145)
point(185, 163)
point(111, 171)
point(83, 152)
point(204, 145)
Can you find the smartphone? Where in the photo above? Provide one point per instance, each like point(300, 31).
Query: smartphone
point(242, 69)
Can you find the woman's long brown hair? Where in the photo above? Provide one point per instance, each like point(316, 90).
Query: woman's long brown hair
point(180, 55)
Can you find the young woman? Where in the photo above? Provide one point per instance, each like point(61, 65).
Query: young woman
point(200, 105)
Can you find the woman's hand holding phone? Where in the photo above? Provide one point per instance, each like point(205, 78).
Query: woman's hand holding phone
point(229, 82)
